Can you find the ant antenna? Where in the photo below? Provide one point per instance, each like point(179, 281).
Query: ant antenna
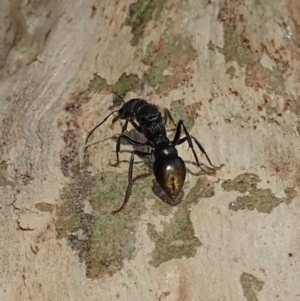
point(120, 97)
point(98, 125)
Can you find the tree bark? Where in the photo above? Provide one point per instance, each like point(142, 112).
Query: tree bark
point(230, 69)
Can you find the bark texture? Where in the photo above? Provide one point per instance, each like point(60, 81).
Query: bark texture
point(230, 69)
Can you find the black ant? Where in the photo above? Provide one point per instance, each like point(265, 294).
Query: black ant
point(168, 168)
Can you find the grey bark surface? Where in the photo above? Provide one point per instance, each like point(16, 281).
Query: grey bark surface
point(243, 71)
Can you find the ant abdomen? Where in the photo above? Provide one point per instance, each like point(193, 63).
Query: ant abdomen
point(170, 174)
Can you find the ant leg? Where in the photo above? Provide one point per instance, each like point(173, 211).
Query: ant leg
point(135, 125)
point(188, 138)
point(167, 115)
point(130, 180)
point(124, 127)
point(182, 140)
point(178, 133)
point(129, 140)
point(205, 154)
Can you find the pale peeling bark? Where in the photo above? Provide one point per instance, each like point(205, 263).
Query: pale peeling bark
point(233, 73)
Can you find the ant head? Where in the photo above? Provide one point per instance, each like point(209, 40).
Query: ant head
point(170, 172)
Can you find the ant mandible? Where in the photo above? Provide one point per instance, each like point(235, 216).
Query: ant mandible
point(168, 168)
